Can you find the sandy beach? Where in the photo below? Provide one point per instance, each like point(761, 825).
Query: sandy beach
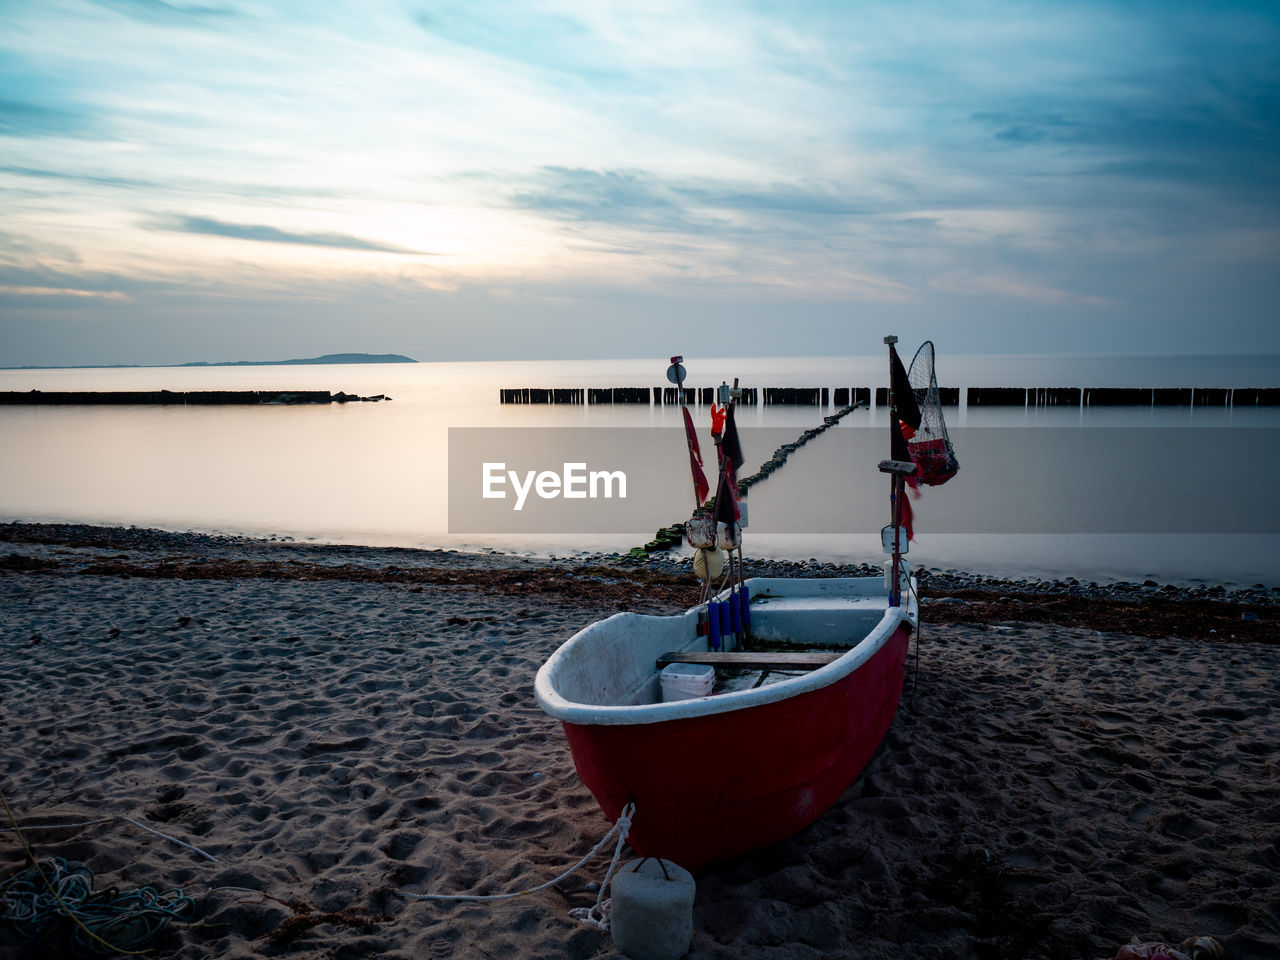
point(1068, 769)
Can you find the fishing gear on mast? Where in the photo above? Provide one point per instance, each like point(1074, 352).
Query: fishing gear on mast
point(903, 412)
point(716, 533)
point(676, 374)
point(729, 506)
point(929, 443)
point(920, 449)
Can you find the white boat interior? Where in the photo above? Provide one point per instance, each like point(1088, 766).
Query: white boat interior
point(609, 672)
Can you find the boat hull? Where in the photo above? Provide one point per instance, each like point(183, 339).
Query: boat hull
point(711, 787)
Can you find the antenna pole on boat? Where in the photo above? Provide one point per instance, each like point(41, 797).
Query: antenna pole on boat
point(742, 575)
point(897, 470)
point(723, 396)
point(675, 373)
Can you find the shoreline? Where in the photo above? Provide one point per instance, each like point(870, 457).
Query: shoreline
point(659, 583)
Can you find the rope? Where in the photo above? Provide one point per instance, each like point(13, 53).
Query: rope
point(143, 826)
point(52, 902)
point(35, 865)
point(63, 909)
point(596, 916)
point(915, 677)
point(34, 827)
point(58, 826)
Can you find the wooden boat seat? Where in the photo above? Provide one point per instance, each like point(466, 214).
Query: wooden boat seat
point(746, 660)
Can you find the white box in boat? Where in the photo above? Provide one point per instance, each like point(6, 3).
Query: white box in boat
point(685, 681)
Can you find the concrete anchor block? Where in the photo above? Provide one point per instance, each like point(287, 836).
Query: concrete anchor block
point(652, 911)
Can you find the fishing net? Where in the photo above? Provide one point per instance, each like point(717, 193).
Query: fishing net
point(931, 448)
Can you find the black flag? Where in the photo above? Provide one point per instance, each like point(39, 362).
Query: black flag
point(904, 398)
point(729, 444)
point(898, 449)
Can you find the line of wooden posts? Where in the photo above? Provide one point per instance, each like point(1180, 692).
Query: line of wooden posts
point(950, 396)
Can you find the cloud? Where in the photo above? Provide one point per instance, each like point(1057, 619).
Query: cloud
point(640, 199)
point(157, 11)
point(46, 174)
point(1168, 122)
point(776, 198)
point(35, 285)
point(19, 118)
point(806, 151)
point(16, 247)
point(35, 278)
point(611, 196)
point(521, 34)
point(1028, 127)
point(1005, 285)
point(1211, 124)
point(266, 234)
point(14, 291)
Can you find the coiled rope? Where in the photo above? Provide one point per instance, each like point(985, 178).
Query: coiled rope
point(597, 915)
point(53, 903)
point(62, 909)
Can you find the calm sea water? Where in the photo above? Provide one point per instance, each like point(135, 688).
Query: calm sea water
point(376, 473)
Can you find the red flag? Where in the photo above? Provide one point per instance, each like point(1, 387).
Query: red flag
point(718, 415)
point(700, 486)
point(898, 448)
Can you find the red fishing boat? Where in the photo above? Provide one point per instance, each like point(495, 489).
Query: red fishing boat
point(781, 729)
point(725, 774)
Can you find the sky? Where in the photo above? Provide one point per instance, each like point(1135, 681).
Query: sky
point(226, 180)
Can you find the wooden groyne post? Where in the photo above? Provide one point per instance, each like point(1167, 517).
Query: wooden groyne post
point(841, 397)
point(179, 397)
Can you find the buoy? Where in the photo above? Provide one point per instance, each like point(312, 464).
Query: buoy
point(728, 536)
point(700, 531)
point(725, 626)
point(746, 607)
point(651, 916)
point(713, 626)
point(708, 564)
point(735, 612)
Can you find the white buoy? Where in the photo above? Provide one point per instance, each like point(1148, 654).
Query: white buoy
point(708, 564)
point(728, 535)
point(651, 917)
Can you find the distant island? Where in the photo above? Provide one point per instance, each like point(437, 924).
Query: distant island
point(327, 358)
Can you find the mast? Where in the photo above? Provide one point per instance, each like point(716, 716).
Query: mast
point(891, 537)
point(675, 374)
